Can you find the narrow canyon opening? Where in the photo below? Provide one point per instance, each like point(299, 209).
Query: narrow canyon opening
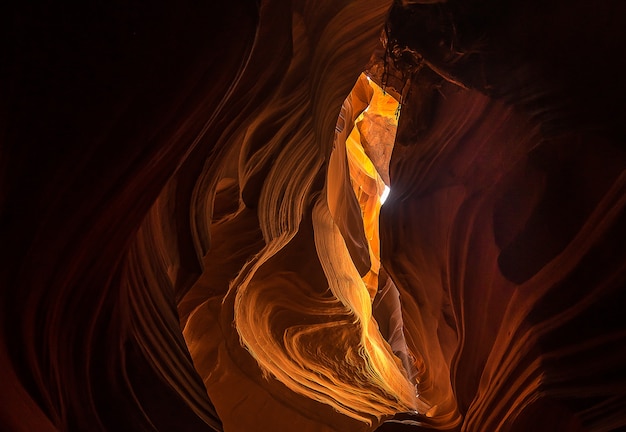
point(193, 234)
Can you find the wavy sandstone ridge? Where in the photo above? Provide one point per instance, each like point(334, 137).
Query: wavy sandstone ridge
point(316, 338)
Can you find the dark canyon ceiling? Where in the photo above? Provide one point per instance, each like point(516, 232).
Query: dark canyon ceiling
point(193, 236)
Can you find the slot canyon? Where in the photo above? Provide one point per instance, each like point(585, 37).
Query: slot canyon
point(313, 216)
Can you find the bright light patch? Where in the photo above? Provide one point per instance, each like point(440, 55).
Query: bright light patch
point(385, 194)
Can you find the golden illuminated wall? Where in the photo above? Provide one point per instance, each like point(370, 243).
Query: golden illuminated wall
point(300, 305)
point(381, 115)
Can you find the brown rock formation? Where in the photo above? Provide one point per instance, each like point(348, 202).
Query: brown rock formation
point(183, 249)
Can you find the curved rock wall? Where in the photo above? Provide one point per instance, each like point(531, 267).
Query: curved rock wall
point(173, 215)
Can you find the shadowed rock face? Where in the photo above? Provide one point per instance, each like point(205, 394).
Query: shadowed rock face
point(183, 249)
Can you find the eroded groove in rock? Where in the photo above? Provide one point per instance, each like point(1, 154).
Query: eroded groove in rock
point(282, 156)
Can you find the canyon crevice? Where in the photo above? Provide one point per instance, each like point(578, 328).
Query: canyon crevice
point(194, 239)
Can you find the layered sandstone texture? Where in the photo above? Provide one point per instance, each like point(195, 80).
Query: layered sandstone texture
point(195, 235)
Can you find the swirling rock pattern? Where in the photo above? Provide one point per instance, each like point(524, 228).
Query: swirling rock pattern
point(182, 248)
